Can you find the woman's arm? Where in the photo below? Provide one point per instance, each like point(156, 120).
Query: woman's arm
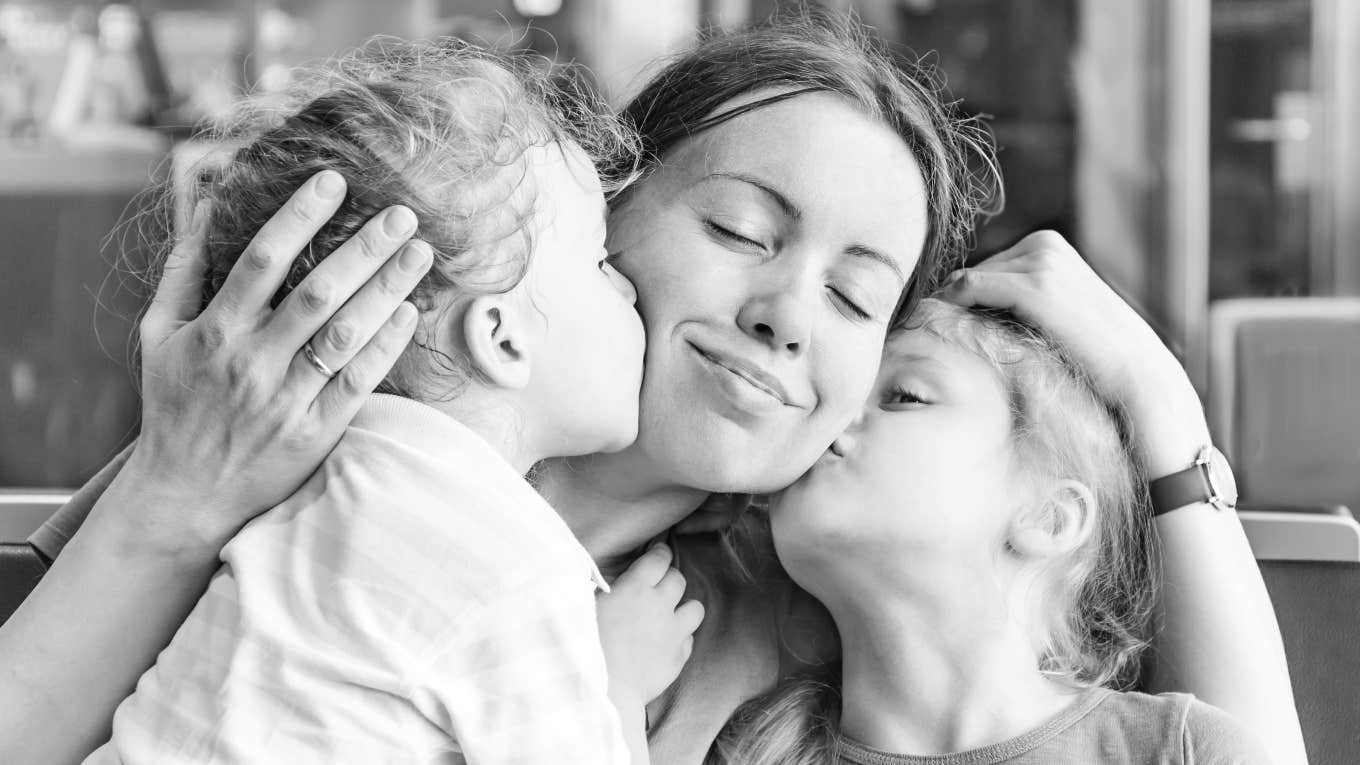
point(1219, 637)
point(234, 418)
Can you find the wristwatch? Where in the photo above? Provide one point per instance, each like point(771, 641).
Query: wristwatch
point(1209, 479)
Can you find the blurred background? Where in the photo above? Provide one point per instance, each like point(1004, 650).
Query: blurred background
point(1196, 151)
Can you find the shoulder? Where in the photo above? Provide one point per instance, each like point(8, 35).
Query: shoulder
point(479, 526)
point(1204, 734)
point(399, 531)
point(1167, 728)
point(1212, 736)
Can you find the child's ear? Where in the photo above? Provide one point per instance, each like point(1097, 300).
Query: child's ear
point(498, 340)
point(1057, 525)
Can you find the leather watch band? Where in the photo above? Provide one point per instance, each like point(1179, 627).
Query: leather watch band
point(1179, 489)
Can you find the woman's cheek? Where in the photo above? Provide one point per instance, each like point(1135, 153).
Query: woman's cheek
point(855, 371)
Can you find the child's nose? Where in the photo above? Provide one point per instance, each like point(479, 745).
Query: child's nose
point(856, 423)
point(623, 284)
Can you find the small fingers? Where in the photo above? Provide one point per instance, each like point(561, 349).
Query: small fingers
point(341, 396)
point(650, 567)
point(341, 274)
point(180, 290)
point(672, 585)
point(690, 615)
point(260, 270)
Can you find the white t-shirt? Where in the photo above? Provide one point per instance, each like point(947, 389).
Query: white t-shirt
point(415, 601)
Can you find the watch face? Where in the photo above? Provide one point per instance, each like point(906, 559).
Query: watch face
point(1221, 479)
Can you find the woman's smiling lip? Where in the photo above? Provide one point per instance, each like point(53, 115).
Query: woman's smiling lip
point(749, 372)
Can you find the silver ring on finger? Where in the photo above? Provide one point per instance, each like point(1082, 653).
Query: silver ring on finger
point(316, 361)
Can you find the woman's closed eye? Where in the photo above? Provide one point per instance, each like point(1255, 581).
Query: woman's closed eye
point(728, 234)
point(851, 304)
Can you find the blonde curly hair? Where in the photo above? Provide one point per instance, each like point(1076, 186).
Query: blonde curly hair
point(439, 126)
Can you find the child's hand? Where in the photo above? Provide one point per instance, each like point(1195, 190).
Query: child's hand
point(646, 632)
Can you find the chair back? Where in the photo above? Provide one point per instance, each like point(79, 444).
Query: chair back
point(1284, 398)
point(1318, 607)
point(22, 511)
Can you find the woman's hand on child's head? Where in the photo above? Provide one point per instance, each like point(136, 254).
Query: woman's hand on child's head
point(1045, 282)
point(646, 631)
point(235, 415)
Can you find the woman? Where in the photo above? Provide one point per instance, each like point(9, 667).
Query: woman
point(804, 191)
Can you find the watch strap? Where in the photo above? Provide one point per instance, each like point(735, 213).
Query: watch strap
point(1185, 487)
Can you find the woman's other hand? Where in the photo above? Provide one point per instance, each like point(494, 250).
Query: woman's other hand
point(235, 416)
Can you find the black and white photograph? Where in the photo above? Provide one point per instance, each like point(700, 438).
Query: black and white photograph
point(679, 382)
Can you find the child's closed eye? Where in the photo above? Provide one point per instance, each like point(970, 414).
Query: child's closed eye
point(902, 396)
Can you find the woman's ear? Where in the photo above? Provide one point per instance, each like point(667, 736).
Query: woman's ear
point(497, 340)
point(1057, 525)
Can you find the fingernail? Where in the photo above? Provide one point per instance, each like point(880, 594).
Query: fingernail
point(413, 256)
point(949, 280)
point(330, 185)
point(399, 222)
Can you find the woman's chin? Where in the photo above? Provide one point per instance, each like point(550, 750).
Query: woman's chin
point(716, 455)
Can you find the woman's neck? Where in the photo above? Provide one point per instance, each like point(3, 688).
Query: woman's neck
point(936, 673)
point(614, 503)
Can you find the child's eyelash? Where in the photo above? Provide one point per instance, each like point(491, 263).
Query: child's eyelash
point(900, 395)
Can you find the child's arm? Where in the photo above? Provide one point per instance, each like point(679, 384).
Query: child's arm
point(1220, 639)
point(225, 434)
point(647, 635)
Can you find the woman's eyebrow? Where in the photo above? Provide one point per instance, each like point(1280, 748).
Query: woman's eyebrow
point(860, 251)
point(790, 209)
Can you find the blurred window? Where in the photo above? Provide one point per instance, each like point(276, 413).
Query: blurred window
point(1280, 87)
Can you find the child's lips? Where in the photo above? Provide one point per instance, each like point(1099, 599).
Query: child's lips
point(830, 457)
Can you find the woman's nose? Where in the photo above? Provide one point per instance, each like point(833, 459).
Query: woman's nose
point(780, 315)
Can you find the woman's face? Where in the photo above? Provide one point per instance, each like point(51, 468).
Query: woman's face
point(768, 253)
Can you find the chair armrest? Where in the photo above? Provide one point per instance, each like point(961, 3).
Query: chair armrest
point(1320, 533)
point(20, 570)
